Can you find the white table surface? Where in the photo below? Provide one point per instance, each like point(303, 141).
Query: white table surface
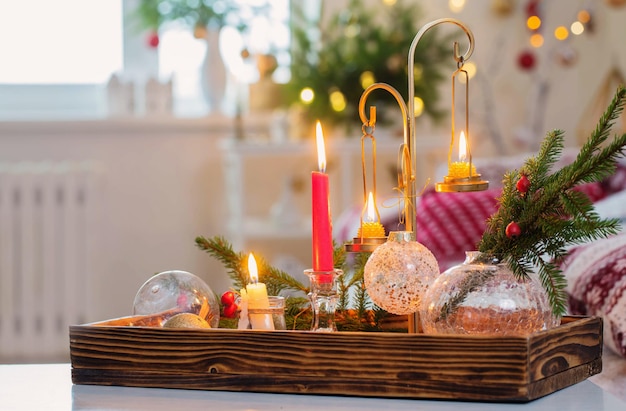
point(49, 387)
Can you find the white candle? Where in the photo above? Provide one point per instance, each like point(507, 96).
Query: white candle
point(257, 299)
point(244, 321)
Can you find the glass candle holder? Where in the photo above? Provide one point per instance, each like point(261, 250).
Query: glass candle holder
point(323, 295)
point(275, 314)
point(270, 318)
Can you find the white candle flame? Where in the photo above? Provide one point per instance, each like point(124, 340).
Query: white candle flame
point(253, 269)
point(321, 150)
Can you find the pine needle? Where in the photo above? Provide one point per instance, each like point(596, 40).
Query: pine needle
point(552, 214)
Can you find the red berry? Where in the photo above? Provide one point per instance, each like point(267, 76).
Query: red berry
point(153, 39)
point(228, 298)
point(513, 230)
point(230, 310)
point(523, 184)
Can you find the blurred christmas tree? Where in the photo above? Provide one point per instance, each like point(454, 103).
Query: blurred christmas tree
point(332, 63)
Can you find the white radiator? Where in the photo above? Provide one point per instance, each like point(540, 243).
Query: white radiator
point(46, 225)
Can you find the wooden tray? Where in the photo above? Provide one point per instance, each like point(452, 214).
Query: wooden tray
point(418, 366)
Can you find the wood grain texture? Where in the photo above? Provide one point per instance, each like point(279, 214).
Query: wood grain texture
point(360, 364)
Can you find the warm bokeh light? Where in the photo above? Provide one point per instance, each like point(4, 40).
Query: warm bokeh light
point(536, 40)
point(307, 95)
point(337, 101)
point(561, 33)
point(390, 2)
point(352, 30)
point(577, 28)
point(456, 6)
point(470, 68)
point(367, 79)
point(418, 106)
point(584, 16)
point(418, 71)
point(533, 22)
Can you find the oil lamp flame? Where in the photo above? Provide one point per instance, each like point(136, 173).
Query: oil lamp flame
point(371, 211)
point(462, 147)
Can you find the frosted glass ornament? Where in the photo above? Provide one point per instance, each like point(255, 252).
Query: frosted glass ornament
point(399, 272)
point(483, 296)
point(174, 292)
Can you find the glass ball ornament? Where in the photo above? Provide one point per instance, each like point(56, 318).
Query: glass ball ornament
point(174, 292)
point(399, 272)
point(483, 296)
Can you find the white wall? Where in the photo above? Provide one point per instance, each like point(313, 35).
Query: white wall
point(161, 186)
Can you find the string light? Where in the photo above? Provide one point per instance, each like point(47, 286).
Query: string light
point(561, 33)
point(536, 40)
point(533, 22)
point(584, 16)
point(577, 28)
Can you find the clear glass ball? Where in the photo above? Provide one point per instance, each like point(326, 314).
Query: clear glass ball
point(174, 292)
point(399, 272)
point(483, 296)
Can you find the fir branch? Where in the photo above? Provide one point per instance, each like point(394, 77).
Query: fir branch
point(361, 301)
point(297, 312)
point(549, 153)
point(471, 282)
point(222, 250)
point(601, 132)
point(554, 282)
point(276, 280)
point(551, 214)
point(351, 277)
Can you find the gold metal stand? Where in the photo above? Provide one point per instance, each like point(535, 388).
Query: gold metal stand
point(407, 157)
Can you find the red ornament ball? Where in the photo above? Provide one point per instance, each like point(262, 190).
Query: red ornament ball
point(228, 298)
point(526, 60)
point(153, 39)
point(513, 230)
point(523, 184)
point(230, 310)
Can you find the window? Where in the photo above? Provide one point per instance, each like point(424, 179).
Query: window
point(181, 56)
point(54, 53)
point(60, 41)
point(60, 57)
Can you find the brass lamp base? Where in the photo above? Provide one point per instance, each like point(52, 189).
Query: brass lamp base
point(462, 185)
point(365, 244)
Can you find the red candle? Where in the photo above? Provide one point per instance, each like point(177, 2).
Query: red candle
point(322, 223)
